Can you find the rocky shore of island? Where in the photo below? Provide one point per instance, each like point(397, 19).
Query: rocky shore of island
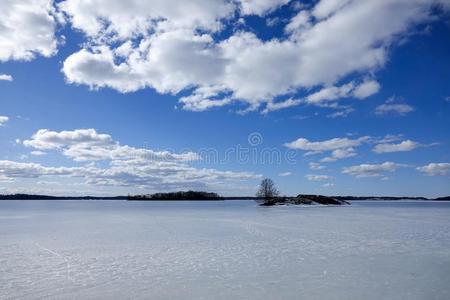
point(303, 200)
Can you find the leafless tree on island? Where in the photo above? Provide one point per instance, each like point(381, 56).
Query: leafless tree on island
point(267, 190)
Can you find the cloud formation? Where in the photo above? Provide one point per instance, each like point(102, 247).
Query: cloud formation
point(403, 146)
point(285, 174)
point(339, 148)
point(6, 77)
point(392, 106)
point(371, 170)
point(3, 120)
point(435, 169)
point(312, 177)
point(173, 47)
point(125, 165)
point(27, 29)
point(315, 166)
point(201, 48)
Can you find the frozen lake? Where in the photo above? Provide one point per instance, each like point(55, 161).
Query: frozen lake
point(223, 250)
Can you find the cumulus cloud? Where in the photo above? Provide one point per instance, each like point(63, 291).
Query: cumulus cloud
point(27, 29)
point(126, 165)
point(47, 139)
point(371, 170)
point(260, 7)
point(123, 20)
point(393, 106)
point(339, 154)
point(3, 120)
point(366, 89)
point(172, 47)
point(6, 77)
point(11, 169)
point(435, 169)
point(312, 177)
point(326, 145)
point(339, 147)
point(403, 146)
point(88, 145)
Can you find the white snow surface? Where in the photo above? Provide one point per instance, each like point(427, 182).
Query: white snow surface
point(223, 250)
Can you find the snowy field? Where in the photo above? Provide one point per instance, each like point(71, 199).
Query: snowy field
point(223, 250)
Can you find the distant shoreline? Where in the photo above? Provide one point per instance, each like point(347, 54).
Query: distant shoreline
point(86, 198)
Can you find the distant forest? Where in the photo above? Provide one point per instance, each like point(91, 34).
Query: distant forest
point(45, 197)
point(189, 195)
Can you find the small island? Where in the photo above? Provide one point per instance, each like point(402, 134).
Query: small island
point(269, 196)
point(304, 200)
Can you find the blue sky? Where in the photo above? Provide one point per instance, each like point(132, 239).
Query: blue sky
point(334, 96)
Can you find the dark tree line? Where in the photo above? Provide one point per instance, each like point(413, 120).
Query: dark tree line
point(189, 195)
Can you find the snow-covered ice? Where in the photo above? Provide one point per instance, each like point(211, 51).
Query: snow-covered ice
point(223, 250)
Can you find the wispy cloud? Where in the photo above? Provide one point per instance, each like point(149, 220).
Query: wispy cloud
point(284, 174)
point(394, 106)
point(313, 177)
point(371, 170)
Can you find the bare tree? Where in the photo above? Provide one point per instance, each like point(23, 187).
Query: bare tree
point(267, 189)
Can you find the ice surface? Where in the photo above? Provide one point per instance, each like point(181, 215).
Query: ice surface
point(223, 250)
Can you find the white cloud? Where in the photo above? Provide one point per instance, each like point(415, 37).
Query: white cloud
point(27, 29)
point(11, 169)
point(435, 169)
point(127, 166)
point(315, 166)
point(391, 106)
point(284, 174)
point(330, 94)
point(160, 46)
point(371, 170)
point(260, 7)
point(401, 109)
point(339, 147)
point(38, 153)
point(327, 145)
point(342, 113)
point(273, 106)
point(339, 154)
point(46, 139)
point(123, 20)
point(389, 138)
point(366, 89)
point(406, 145)
point(88, 145)
point(3, 120)
point(312, 177)
point(6, 77)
